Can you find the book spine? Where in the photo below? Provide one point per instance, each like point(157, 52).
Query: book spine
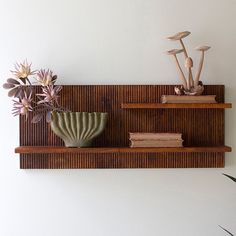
point(155, 136)
point(156, 144)
point(188, 99)
point(152, 137)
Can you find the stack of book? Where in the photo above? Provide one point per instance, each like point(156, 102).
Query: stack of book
point(188, 99)
point(155, 140)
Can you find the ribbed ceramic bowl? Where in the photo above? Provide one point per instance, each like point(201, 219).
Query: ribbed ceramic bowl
point(78, 129)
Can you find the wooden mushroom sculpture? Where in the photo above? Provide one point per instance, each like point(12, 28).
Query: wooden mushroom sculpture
point(179, 37)
point(174, 53)
point(190, 86)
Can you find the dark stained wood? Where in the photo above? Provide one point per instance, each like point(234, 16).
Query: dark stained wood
point(176, 105)
point(56, 150)
point(200, 127)
point(122, 160)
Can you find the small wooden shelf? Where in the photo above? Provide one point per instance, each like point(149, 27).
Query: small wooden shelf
point(176, 105)
point(62, 150)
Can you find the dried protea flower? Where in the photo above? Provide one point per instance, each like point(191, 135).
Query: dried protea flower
point(23, 106)
point(46, 77)
point(50, 94)
point(22, 90)
point(22, 71)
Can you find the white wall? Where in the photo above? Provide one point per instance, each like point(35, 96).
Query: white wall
point(115, 42)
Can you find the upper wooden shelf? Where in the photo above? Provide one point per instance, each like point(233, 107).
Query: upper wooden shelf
point(176, 105)
point(60, 150)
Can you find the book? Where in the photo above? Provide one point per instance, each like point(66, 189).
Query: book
point(155, 136)
point(188, 99)
point(156, 143)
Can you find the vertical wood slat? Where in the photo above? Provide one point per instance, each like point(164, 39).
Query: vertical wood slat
point(127, 160)
point(200, 127)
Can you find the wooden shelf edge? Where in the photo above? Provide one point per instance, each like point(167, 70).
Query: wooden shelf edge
point(60, 150)
point(176, 105)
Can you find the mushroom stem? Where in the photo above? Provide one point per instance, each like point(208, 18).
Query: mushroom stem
point(189, 79)
point(197, 78)
point(185, 51)
point(189, 65)
point(181, 72)
point(186, 56)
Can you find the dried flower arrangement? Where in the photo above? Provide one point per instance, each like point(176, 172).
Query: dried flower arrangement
point(46, 104)
point(189, 86)
point(21, 88)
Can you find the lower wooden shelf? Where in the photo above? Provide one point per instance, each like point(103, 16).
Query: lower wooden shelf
point(46, 157)
point(60, 150)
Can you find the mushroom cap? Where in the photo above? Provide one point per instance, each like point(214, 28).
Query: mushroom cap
point(179, 35)
point(203, 48)
point(174, 51)
point(188, 62)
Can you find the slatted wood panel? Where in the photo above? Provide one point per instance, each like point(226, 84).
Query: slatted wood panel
point(200, 127)
point(128, 160)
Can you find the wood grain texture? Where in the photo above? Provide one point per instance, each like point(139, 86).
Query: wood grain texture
point(54, 150)
point(108, 98)
point(122, 160)
point(176, 106)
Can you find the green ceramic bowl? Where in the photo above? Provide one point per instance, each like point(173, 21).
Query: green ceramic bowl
point(78, 129)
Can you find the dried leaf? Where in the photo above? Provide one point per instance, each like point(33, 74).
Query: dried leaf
point(231, 177)
point(8, 86)
point(20, 92)
point(54, 78)
point(28, 89)
point(48, 117)
point(13, 81)
point(12, 92)
point(37, 118)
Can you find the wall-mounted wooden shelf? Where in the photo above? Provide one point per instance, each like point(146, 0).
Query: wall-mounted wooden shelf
point(202, 126)
point(60, 150)
point(176, 105)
